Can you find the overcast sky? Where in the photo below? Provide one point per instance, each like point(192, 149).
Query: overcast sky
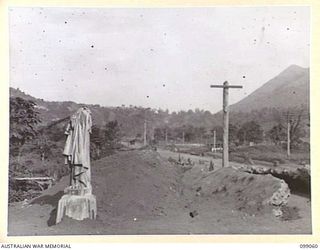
point(155, 58)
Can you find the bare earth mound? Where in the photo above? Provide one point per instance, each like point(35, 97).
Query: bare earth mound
point(245, 192)
point(135, 184)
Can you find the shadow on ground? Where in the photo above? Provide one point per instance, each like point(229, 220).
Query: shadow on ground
point(52, 200)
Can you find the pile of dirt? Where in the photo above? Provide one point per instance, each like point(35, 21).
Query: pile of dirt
point(254, 194)
point(134, 185)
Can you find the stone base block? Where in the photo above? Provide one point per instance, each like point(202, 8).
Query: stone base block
point(78, 207)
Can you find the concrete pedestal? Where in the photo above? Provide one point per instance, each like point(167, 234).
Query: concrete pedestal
point(77, 205)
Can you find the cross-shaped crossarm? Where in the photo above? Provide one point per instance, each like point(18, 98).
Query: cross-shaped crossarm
point(226, 87)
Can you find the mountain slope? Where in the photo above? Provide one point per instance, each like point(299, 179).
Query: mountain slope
point(287, 90)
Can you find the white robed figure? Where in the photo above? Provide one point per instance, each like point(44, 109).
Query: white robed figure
point(78, 202)
point(77, 149)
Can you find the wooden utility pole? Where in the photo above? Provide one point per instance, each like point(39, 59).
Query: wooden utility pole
point(183, 137)
point(225, 86)
point(288, 139)
point(166, 136)
point(145, 127)
point(152, 135)
point(145, 133)
point(214, 141)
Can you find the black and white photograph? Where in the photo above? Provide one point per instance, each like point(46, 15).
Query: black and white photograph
point(159, 121)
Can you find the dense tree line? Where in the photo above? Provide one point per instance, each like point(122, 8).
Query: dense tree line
point(23, 122)
point(268, 124)
point(104, 140)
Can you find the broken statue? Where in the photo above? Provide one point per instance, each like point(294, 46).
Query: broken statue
point(78, 202)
